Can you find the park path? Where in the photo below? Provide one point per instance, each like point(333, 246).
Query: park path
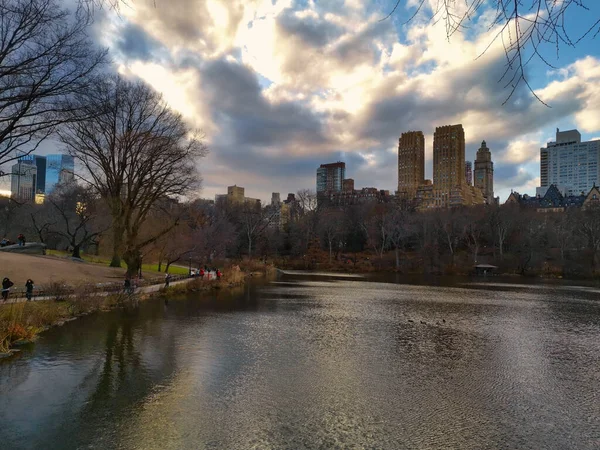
point(140, 290)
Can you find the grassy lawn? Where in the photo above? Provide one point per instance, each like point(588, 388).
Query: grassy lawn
point(176, 270)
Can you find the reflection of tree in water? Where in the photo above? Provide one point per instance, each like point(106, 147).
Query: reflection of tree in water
point(123, 377)
point(13, 371)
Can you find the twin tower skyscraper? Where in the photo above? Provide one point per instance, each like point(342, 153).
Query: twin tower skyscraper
point(450, 185)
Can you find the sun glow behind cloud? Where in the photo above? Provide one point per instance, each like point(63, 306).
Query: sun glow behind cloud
point(280, 88)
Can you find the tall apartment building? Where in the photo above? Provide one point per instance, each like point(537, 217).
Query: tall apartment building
point(469, 173)
point(330, 177)
point(484, 173)
point(448, 161)
point(569, 164)
point(411, 163)
point(23, 181)
point(236, 196)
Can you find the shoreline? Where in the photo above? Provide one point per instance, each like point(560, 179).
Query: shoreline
point(22, 322)
point(459, 272)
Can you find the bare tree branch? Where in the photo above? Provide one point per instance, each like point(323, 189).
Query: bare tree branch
point(45, 57)
point(523, 27)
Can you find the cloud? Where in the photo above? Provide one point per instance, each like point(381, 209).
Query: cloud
point(281, 87)
point(134, 43)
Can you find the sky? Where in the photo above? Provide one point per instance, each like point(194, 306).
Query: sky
point(281, 86)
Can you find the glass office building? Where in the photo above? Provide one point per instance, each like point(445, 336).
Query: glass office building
point(59, 169)
point(40, 164)
point(23, 180)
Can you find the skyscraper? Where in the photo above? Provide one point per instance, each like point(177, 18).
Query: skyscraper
point(330, 177)
point(469, 173)
point(411, 163)
point(59, 169)
point(484, 173)
point(40, 163)
point(573, 166)
point(448, 161)
point(23, 180)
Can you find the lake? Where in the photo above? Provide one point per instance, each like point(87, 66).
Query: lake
point(318, 361)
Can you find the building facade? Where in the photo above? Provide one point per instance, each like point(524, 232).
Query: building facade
point(484, 173)
point(59, 169)
point(569, 164)
point(23, 182)
point(236, 196)
point(40, 164)
point(411, 163)
point(554, 201)
point(448, 161)
point(330, 177)
point(469, 173)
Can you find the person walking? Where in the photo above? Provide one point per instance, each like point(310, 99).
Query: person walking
point(167, 280)
point(29, 289)
point(6, 285)
point(21, 239)
point(128, 286)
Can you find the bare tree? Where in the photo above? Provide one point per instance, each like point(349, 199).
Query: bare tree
point(254, 220)
point(42, 220)
point(448, 225)
point(45, 58)
point(401, 228)
point(77, 214)
point(501, 223)
point(472, 235)
point(330, 227)
point(9, 212)
point(589, 228)
point(523, 27)
point(137, 152)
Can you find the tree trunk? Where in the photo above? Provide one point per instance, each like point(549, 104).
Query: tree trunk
point(249, 247)
point(160, 265)
point(133, 259)
point(117, 246)
point(76, 253)
point(330, 251)
point(167, 267)
point(397, 257)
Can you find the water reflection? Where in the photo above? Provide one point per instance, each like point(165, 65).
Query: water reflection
point(317, 362)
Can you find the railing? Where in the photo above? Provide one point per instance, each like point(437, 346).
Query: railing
point(103, 288)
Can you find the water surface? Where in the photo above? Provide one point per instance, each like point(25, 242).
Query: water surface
point(318, 362)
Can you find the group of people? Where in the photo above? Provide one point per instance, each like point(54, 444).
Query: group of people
point(20, 239)
point(7, 284)
point(208, 272)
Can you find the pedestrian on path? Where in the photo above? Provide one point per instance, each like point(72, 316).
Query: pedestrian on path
point(21, 239)
point(167, 280)
point(6, 285)
point(29, 289)
point(128, 286)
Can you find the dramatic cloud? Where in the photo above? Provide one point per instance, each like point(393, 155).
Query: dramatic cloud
point(280, 87)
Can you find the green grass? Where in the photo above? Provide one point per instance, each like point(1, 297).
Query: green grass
point(175, 270)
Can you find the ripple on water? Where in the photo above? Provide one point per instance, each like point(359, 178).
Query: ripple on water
point(320, 363)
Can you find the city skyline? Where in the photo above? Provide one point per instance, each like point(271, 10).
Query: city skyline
point(279, 87)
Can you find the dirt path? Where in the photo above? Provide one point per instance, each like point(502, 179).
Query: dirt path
point(46, 269)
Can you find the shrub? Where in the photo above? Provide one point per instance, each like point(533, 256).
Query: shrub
point(57, 291)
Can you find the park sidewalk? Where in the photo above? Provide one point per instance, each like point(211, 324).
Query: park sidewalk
point(139, 290)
